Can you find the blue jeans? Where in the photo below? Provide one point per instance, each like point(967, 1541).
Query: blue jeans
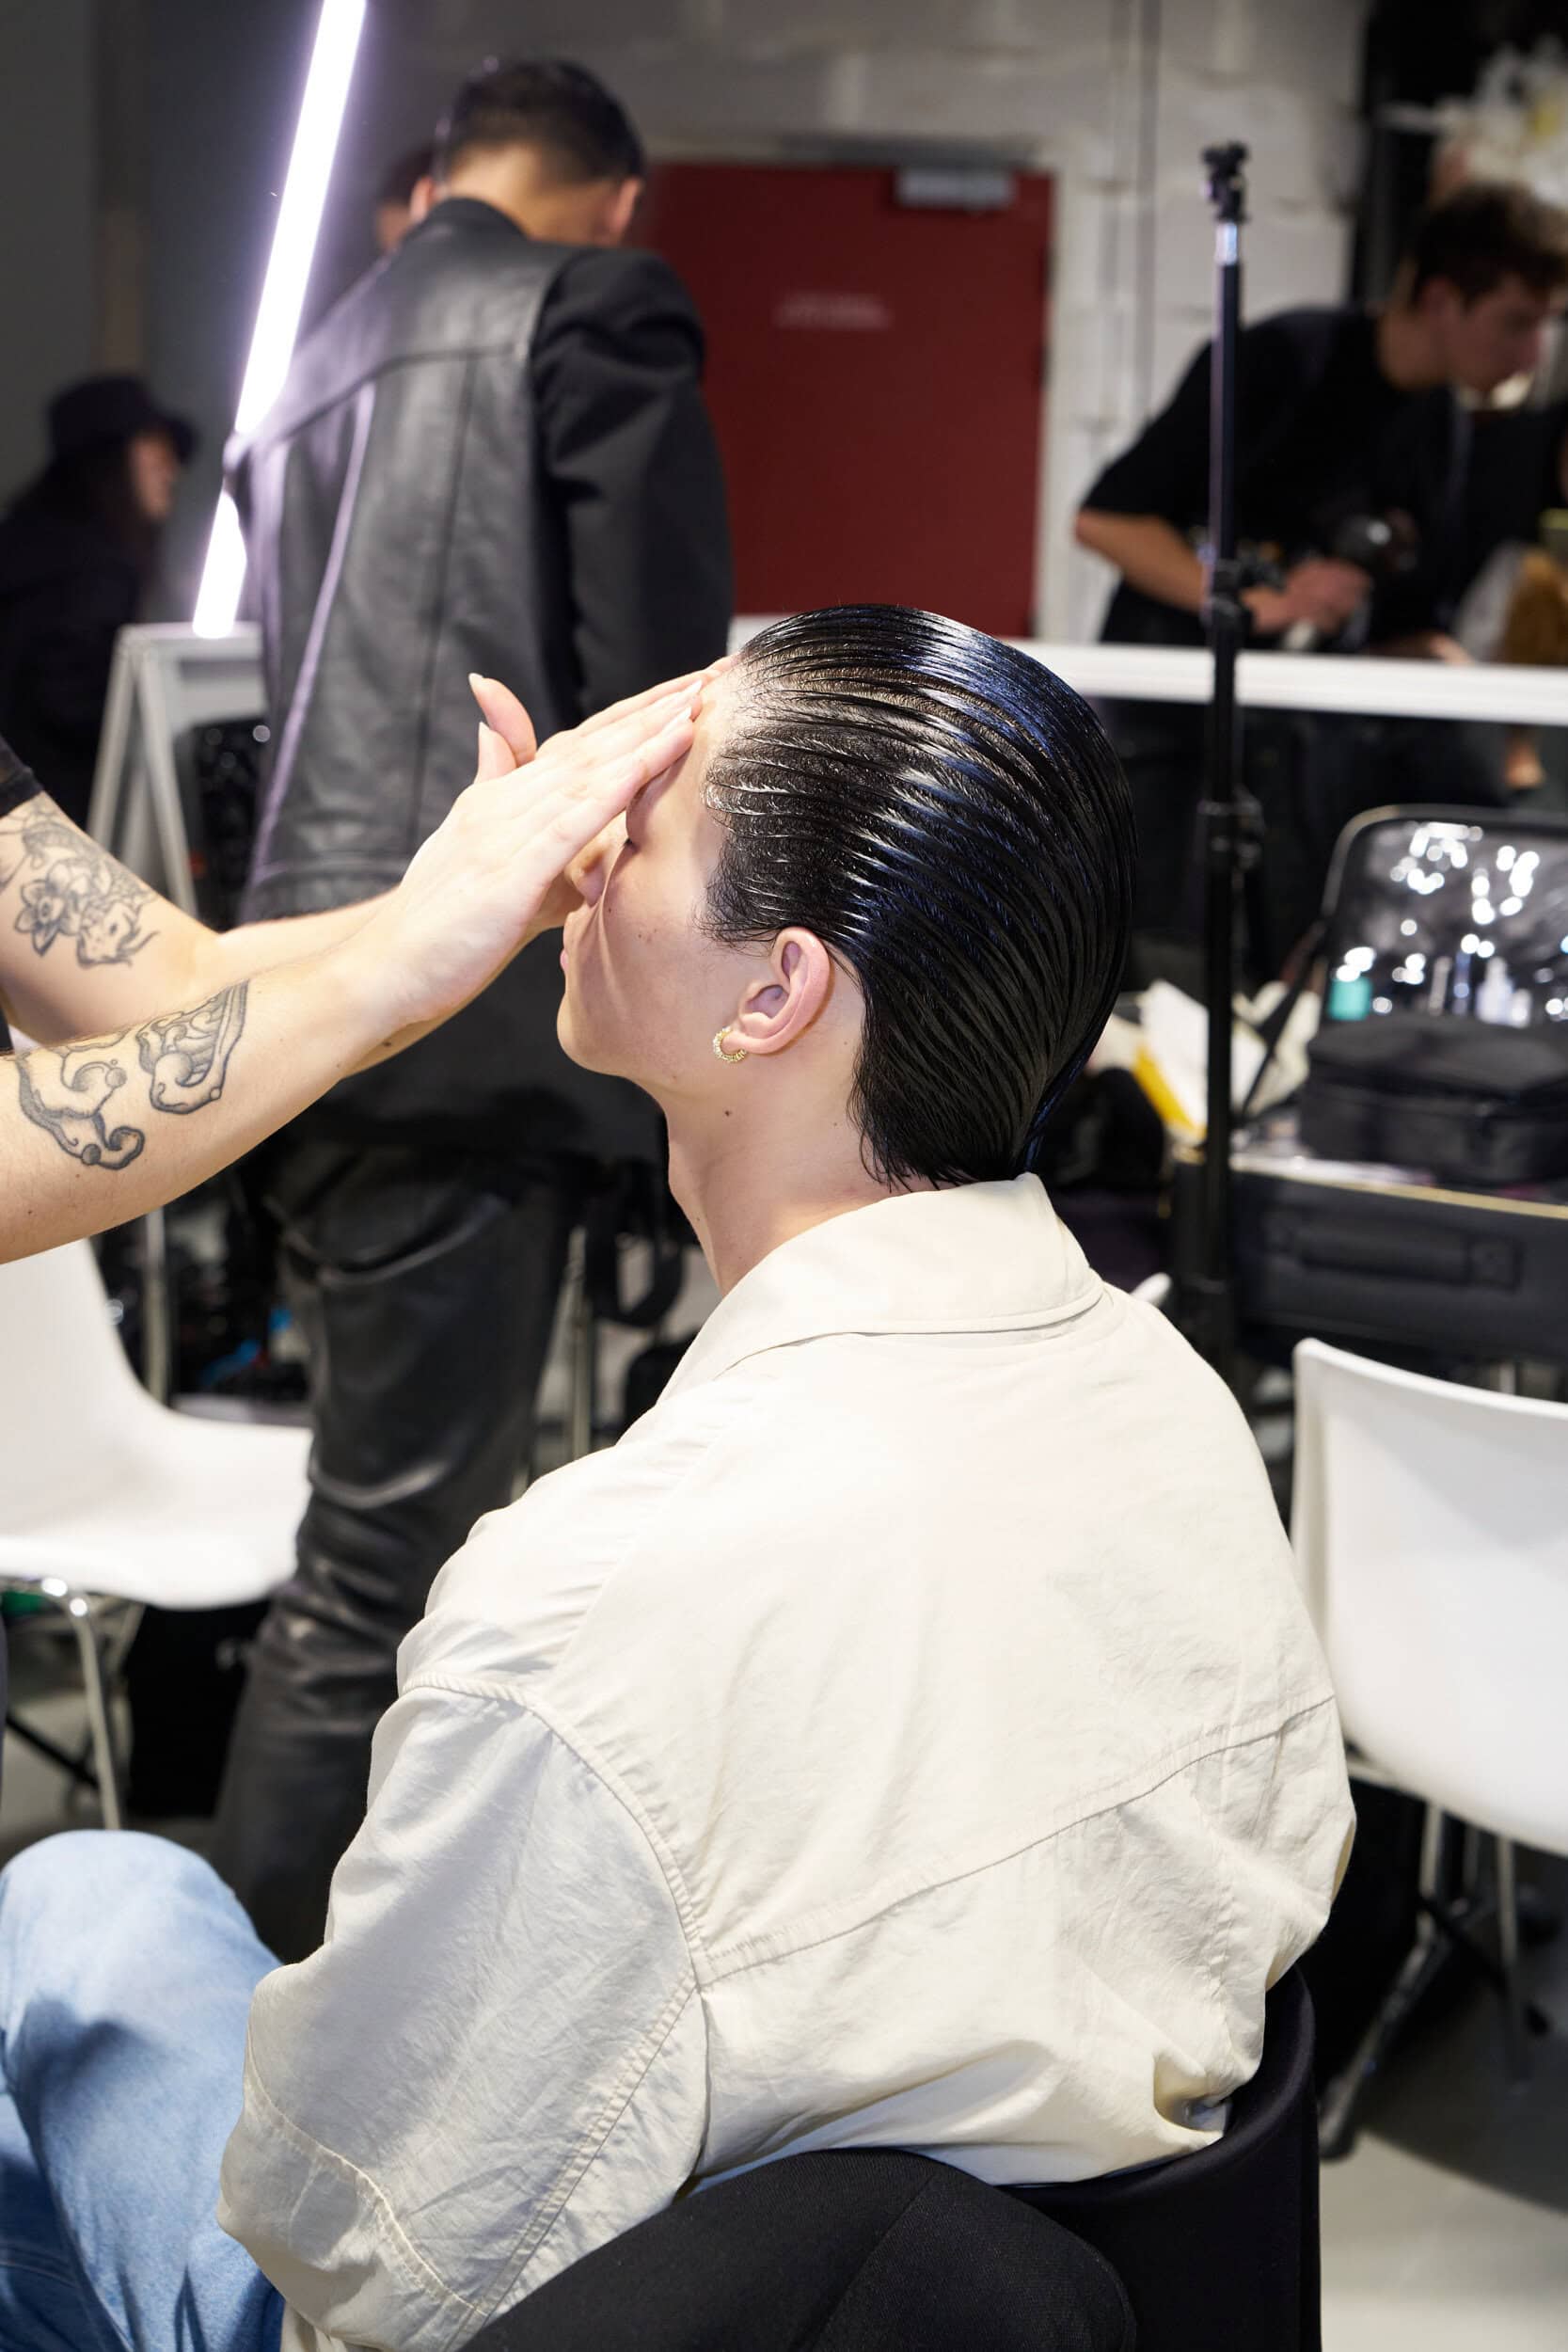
point(126, 1972)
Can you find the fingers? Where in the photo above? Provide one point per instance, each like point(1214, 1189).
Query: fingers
point(502, 710)
point(609, 737)
point(495, 757)
point(601, 850)
point(634, 704)
point(576, 805)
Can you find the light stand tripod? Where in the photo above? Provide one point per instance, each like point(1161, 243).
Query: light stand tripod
point(1228, 812)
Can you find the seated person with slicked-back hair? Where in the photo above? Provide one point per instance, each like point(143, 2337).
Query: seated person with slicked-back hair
point(909, 1736)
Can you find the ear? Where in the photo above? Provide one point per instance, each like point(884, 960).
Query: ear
point(621, 206)
point(422, 197)
point(776, 1010)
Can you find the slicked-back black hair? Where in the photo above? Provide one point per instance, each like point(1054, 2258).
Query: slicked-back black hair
point(545, 103)
point(949, 819)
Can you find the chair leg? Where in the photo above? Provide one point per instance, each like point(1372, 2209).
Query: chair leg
point(1470, 1864)
point(104, 1760)
point(114, 1650)
point(1515, 2025)
point(1341, 2100)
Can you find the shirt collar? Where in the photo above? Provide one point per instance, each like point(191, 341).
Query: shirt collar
point(975, 1258)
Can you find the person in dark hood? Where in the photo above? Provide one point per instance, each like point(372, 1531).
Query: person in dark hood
point(78, 547)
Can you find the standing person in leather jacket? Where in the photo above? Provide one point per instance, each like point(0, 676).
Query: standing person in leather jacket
point(491, 456)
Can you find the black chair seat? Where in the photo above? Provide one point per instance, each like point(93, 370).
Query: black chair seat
point(850, 2251)
point(1219, 2251)
point(880, 2251)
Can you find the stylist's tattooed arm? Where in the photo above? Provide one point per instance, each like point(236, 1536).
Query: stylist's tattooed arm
point(86, 946)
point(274, 1013)
point(96, 1131)
point(68, 888)
point(76, 1093)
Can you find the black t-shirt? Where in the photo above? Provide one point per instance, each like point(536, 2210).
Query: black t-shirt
point(1519, 469)
point(1321, 438)
point(17, 783)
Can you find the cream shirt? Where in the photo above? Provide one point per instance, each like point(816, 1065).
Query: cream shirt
point(910, 1735)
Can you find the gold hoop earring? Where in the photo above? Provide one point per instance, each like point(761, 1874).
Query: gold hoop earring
point(719, 1037)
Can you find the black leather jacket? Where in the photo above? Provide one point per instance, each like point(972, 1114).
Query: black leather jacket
point(492, 455)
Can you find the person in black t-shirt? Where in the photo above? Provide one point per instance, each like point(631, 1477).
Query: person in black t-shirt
point(1344, 416)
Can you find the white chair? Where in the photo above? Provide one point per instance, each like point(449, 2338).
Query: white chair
point(1430, 1532)
point(111, 1497)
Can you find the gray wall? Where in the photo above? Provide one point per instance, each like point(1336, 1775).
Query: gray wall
point(198, 99)
point(222, 82)
point(47, 221)
point(1115, 97)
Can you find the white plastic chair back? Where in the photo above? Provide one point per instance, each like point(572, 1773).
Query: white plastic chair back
point(1430, 1530)
point(67, 1392)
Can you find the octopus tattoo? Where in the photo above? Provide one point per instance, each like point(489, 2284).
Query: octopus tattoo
point(69, 1090)
point(72, 889)
point(185, 1055)
point(66, 1090)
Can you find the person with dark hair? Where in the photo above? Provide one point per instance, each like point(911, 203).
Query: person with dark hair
point(78, 550)
point(546, 139)
point(1351, 449)
point(910, 1736)
point(400, 189)
point(492, 456)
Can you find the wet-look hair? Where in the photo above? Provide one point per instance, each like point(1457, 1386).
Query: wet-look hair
point(950, 820)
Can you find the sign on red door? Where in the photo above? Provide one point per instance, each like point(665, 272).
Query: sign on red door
point(876, 374)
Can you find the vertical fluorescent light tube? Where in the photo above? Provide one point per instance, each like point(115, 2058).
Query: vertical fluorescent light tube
point(294, 247)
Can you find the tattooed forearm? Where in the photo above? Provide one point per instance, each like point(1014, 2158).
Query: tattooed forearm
point(69, 1090)
point(185, 1055)
point(70, 887)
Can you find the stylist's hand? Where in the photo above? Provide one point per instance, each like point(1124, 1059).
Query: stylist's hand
point(488, 880)
point(1321, 591)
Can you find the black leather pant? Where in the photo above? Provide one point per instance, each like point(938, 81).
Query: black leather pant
point(426, 1288)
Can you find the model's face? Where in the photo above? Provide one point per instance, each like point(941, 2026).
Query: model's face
point(1496, 337)
point(155, 468)
point(647, 988)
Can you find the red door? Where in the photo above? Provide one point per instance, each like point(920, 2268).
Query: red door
point(876, 373)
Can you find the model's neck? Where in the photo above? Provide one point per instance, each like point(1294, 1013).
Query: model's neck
point(1405, 356)
point(747, 1190)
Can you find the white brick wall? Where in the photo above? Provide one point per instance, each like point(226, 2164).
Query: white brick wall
point(1067, 85)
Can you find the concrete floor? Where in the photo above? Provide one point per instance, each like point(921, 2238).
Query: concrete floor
point(1447, 2229)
